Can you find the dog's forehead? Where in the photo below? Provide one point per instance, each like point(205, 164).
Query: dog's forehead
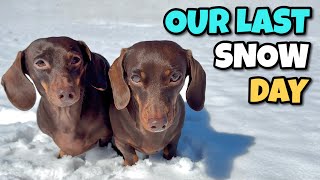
point(52, 44)
point(166, 49)
point(159, 53)
point(64, 42)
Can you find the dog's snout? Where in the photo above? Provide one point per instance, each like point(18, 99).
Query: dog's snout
point(157, 125)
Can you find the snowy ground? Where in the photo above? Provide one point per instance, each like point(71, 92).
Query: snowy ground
point(229, 139)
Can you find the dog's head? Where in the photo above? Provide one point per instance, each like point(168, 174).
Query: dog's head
point(151, 75)
point(60, 68)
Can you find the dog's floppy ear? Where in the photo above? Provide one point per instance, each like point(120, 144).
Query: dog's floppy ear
point(120, 89)
point(197, 83)
point(19, 89)
point(97, 68)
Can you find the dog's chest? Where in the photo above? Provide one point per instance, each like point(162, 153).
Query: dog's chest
point(148, 143)
point(153, 145)
point(80, 137)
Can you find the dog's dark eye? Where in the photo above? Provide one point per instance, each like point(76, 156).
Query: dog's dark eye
point(75, 60)
point(175, 77)
point(41, 64)
point(135, 78)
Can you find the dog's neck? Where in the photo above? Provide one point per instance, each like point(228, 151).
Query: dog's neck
point(63, 118)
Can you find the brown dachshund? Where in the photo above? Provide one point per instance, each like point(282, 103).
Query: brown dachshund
point(148, 111)
point(74, 87)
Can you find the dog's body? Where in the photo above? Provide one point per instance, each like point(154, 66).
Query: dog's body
point(73, 85)
point(148, 111)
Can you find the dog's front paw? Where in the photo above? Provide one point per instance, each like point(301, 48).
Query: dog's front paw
point(104, 142)
point(167, 154)
point(131, 161)
point(61, 154)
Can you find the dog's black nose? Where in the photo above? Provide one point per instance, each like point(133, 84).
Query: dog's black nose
point(66, 96)
point(157, 124)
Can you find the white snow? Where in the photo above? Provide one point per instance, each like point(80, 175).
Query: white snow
point(229, 139)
